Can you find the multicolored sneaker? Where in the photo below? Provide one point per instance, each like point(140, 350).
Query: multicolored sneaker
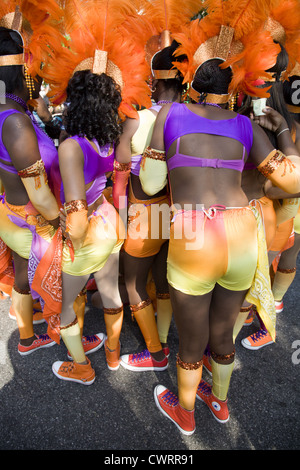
point(249, 320)
point(278, 306)
point(74, 372)
point(258, 340)
point(91, 344)
point(218, 408)
point(168, 403)
point(41, 341)
point(143, 361)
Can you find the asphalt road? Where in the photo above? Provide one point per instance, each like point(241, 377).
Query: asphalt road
point(117, 414)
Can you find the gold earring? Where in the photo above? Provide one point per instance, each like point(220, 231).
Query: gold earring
point(29, 81)
point(232, 102)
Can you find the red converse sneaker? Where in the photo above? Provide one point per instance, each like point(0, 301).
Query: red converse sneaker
point(91, 344)
point(41, 341)
point(168, 403)
point(74, 372)
point(218, 408)
point(278, 306)
point(142, 361)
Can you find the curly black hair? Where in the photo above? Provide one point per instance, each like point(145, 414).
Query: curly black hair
point(12, 75)
point(93, 102)
point(210, 78)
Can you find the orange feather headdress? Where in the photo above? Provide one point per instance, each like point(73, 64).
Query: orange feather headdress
point(104, 36)
point(36, 22)
point(233, 32)
point(166, 17)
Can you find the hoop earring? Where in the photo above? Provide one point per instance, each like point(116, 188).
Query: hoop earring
point(29, 81)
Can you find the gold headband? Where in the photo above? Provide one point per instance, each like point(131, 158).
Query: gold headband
point(101, 64)
point(164, 41)
point(276, 30)
point(210, 97)
point(16, 59)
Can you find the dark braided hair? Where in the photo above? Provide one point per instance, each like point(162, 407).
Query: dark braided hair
point(93, 103)
point(210, 78)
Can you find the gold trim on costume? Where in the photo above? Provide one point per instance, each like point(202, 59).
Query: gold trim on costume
point(188, 365)
point(275, 159)
point(210, 97)
point(154, 154)
point(122, 166)
point(140, 305)
point(75, 206)
point(164, 74)
point(287, 271)
point(293, 109)
point(162, 296)
point(35, 171)
point(113, 311)
point(222, 357)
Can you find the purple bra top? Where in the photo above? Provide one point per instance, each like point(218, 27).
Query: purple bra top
point(47, 148)
point(181, 121)
point(136, 159)
point(96, 164)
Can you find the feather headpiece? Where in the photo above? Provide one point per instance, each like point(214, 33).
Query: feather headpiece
point(166, 17)
point(36, 22)
point(233, 32)
point(102, 36)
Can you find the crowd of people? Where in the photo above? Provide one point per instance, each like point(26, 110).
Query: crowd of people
point(165, 176)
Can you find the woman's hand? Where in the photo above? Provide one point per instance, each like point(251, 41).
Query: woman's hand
point(271, 120)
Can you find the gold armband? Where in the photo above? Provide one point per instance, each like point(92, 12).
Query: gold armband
point(120, 167)
point(36, 171)
point(77, 221)
point(273, 161)
point(153, 171)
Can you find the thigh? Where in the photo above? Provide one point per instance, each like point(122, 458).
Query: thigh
point(191, 314)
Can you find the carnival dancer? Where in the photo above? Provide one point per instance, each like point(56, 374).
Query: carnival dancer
point(95, 83)
point(217, 247)
point(146, 244)
point(28, 210)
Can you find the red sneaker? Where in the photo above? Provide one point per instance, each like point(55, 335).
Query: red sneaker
point(41, 341)
point(167, 402)
point(166, 351)
point(206, 363)
point(91, 344)
point(278, 306)
point(142, 361)
point(218, 408)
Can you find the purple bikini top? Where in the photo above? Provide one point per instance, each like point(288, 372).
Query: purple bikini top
point(47, 148)
point(96, 164)
point(181, 121)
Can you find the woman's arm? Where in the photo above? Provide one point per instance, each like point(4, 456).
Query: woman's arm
point(21, 143)
point(71, 163)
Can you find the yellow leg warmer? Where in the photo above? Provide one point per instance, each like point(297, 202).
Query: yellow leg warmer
point(221, 375)
point(164, 317)
point(242, 317)
point(23, 307)
point(79, 309)
point(113, 318)
point(282, 281)
point(188, 379)
point(72, 339)
point(145, 317)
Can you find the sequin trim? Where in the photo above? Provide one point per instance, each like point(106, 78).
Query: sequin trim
point(163, 296)
point(188, 365)
point(154, 154)
point(113, 311)
point(274, 163)
point(33, 170)
point(287, 271)
point(69, 325)
point(222, 357)
point(21, 291)
point(122, 166)
point(245, 309)
point(140, 305)
point(75, 206)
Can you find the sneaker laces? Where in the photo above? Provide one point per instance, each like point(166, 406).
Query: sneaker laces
point(67, 367)
point(204, 388)
point(259, 335)
point(90, 339)
point(170, 398)
point(42, 338)
point(141, 356)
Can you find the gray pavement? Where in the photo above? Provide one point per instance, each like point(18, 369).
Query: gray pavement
point(117, 414)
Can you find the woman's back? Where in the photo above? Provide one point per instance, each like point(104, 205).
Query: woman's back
point(206, 150)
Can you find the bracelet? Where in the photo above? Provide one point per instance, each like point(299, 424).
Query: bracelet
point(286, 129)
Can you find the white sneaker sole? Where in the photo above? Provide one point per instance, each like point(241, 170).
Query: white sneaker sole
point(157, 391)
point(141, 369)
point(254, 348)
point(55, 368)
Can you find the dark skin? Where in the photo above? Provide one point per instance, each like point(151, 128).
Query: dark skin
point(21, 143)
point(137, 269)
point(194, 315)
